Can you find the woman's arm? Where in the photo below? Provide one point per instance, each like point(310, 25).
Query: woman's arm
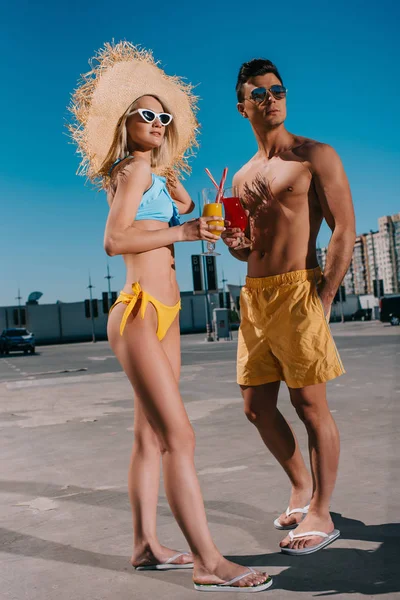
point(183, 201)
point(122, 237)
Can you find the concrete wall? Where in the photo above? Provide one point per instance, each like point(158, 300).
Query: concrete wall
point(56, 323)
point(193, 314)
point(75, 325)
point(66, 321)
point(352, 303)
point(44, 318)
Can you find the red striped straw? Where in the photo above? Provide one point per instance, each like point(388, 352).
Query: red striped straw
point(212, 179)
point(221, 185)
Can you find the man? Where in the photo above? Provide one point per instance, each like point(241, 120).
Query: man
point(289, 186)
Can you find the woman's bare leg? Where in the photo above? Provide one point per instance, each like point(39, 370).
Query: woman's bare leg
point(144, 476)
point(149, 370)
point(143, 484)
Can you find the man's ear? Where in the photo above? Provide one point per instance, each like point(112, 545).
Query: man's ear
point(241, 109)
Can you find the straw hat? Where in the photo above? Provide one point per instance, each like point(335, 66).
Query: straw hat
point(121, 73)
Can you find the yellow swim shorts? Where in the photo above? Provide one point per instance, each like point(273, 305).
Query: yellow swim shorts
point(284, 335)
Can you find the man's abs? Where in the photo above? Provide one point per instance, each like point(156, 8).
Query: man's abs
point(280, 260)
point(285, 217)
point(287, 243)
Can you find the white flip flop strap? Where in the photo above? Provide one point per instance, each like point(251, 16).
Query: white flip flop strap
point(303, 511)
point(239, 577)
point(294, 536)
point(173, 558)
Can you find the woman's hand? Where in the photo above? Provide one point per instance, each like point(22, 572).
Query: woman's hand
point(200, 229)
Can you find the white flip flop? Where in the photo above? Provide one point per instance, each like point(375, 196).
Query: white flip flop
point(304, 511)
point(168, 565)
point(229, 587)
point(328, 539)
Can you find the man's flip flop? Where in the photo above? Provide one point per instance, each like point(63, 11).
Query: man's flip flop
point(168, 565)
point(229, 587)
point(328, 539)
point(304, 511)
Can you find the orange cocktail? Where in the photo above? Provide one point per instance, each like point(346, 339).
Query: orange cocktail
point(211, 208)
point(214, 209)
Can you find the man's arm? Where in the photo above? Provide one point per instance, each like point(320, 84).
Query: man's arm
point(335, 197)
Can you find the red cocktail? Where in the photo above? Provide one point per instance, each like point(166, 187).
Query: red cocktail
point(234, 213)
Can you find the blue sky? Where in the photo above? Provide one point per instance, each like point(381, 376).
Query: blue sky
point(339, 61)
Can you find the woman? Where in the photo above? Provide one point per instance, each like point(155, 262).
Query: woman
point(128, 153)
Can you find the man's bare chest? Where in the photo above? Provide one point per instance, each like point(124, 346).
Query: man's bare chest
point(288, 181)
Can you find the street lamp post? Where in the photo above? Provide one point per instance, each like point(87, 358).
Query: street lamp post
point(19, 298)
point(223, 288)
point(108, 277)
point(90, 287)
point(209, 337)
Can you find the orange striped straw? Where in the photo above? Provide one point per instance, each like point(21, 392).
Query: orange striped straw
point(212, 178)
point(221, 185)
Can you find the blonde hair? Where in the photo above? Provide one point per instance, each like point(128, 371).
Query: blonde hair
point(160, 157)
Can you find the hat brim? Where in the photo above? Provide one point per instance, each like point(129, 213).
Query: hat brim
point(123, 74)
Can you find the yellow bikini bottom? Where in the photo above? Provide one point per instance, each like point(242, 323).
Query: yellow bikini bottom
point(165, 314)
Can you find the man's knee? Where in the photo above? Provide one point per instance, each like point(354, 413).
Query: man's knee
point(309, 406)
point(259, 409)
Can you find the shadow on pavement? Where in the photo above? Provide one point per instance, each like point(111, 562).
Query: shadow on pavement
point(330, 572)
point(341, 570)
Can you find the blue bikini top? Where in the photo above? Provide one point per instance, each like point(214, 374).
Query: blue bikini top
point(157, 204)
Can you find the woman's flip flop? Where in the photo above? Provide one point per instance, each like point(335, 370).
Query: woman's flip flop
point(229, 587)
point(168, 565)
point(328, 539)
point(303, 511)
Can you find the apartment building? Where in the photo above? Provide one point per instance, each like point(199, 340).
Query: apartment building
point(376, 256)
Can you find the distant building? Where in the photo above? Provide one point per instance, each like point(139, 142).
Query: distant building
point(389, 258)
point(360, 266)
point(376, 257)
point(396, 241)
point(321, 257)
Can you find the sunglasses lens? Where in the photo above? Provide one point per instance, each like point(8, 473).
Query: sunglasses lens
point(258, 94)
point(148, 116)
point(278, 91)
point(165, 118)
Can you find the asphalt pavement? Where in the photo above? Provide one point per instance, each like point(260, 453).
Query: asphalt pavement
point(66, 432)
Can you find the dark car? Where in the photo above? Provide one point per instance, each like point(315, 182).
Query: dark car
point(362, 314)
point(18, 338)
point(390, 307)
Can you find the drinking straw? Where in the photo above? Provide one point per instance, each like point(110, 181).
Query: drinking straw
point(212, 179)
point(221, 185)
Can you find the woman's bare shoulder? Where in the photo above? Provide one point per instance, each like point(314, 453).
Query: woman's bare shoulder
point(130, 170)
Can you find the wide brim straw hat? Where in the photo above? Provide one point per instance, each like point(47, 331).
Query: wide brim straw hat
point(120, 74)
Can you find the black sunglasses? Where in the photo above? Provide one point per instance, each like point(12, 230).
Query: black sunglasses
point(259, 94)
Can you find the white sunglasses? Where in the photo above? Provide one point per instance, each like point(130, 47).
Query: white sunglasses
point(150, 116)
